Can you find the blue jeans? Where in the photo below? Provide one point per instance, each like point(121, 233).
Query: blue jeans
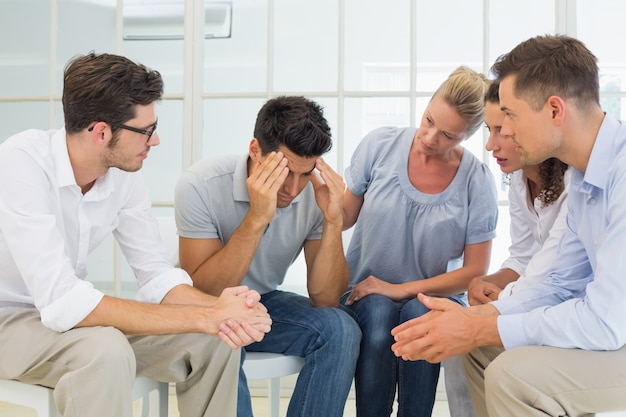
point(379, 371)
point(328, 339)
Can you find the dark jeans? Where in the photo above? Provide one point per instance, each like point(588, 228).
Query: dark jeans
point(379, 371)
point(328, 339)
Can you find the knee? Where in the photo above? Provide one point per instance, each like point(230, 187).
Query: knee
point(500, 372)
point(110, 353)
point(376, 313)
point(412, 309)
point(343, 327)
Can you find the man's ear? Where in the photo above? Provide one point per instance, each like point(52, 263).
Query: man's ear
point(98, 132)
point(254, 149)
point(556, 105)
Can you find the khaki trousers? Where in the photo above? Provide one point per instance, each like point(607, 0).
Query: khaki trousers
point(545, 381)
point(92, 369)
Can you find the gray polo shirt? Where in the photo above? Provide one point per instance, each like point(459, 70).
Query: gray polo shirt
point(211, 201)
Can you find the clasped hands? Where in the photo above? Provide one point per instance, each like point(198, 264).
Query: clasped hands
point(246, 319)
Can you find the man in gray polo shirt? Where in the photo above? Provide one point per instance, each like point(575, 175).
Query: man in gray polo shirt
point(243, 220)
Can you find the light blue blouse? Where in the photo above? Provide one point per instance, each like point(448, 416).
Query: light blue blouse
point(402, 234)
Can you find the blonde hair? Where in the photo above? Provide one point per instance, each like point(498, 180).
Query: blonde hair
point(465, 90)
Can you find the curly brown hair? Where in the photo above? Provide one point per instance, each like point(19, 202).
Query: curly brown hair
point(551, 171)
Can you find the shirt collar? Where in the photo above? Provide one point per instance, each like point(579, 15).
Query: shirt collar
point(104, 185)
point(602, 152)
point(60, 156)
point(240, 191)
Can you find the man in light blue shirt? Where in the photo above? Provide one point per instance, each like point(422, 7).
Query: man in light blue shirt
point(556, 348)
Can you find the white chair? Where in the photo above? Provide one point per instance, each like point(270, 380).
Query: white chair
point(258, 365)
point(272, 366)
point(41, 399)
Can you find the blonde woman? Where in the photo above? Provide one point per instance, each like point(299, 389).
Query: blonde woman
point(417, 199)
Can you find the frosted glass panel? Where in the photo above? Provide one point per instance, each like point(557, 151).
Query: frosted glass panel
point(448, 34)
point(165, 56)
point(229, 125)
point(239, 63)
point(599, 24)
point(76, 18)
point(24, 47)
point(532, 18)
point(164, 164)
point(602, 29)
point(306, 45)
point(377, 45)
point(21, 116)
point(362, 115)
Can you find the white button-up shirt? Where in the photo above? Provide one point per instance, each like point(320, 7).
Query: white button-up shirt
point(535, 233)
point(48, 228)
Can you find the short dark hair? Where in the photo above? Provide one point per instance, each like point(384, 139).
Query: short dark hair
point(106, 88)
point(493, 92)
point(294, 122)
point(551, 65)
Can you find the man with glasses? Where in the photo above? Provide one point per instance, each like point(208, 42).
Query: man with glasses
point(62, 192)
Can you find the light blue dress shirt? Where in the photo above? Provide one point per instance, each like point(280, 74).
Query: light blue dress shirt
point(582, 304)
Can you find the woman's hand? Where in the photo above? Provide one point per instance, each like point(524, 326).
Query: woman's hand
point(373, 285)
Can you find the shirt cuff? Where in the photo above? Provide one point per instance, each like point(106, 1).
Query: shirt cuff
point(157, 288)
point(69, 310)
point(508, 305)
point(511, 330)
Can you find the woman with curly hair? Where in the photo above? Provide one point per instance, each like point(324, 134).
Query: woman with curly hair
point(537, 196)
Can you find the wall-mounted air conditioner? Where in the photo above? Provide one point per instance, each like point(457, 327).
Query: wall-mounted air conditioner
point(164, 19)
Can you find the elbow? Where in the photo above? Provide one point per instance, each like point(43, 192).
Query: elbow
point(324, 300)
point(324, 303)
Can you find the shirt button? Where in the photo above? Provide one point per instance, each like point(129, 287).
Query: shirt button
point(592, 201)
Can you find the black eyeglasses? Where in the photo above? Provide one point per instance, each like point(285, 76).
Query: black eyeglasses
point(148, 133)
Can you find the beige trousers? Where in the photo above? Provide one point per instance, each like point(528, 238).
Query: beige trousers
point(545, 381)
point(92, 369)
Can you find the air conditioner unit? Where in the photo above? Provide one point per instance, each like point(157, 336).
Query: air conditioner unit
point(164, 19)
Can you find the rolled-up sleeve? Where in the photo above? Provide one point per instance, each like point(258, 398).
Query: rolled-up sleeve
point(35, 266)
point(67, 311)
